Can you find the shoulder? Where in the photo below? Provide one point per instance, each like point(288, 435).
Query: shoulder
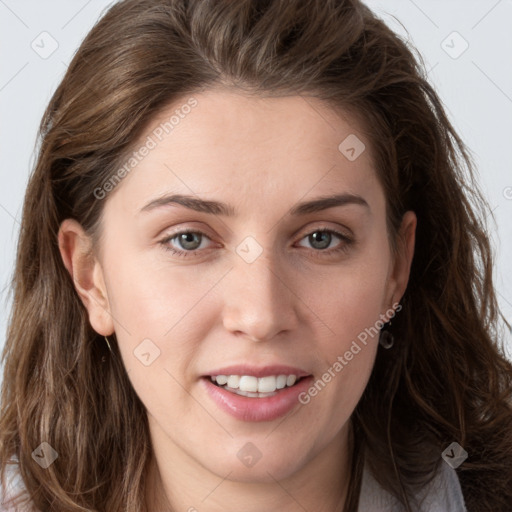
point(13, 488)
point(442, 494)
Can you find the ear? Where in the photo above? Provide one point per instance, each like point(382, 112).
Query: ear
point(402, 261)
point(76, 251)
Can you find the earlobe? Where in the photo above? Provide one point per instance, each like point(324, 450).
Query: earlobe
point(87, 274)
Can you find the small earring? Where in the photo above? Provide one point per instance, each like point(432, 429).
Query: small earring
point(386, 339)
point(104, 358)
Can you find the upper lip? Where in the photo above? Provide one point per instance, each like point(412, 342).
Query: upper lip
point(255, 371)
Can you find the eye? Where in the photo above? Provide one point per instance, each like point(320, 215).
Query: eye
point(321, 239)
point(187, 242)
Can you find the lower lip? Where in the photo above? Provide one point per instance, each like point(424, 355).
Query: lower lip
point(257, 409)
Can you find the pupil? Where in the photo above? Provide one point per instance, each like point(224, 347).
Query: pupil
point(321, 238)
point(187, 240)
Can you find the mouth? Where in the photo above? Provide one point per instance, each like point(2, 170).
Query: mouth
point(256, 393)
point(256, 387)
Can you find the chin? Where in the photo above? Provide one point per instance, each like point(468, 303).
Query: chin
point(267, 469)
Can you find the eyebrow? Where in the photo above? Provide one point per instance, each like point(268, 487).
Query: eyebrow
point(218, 208)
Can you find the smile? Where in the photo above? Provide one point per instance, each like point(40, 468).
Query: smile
point(253, 387)
point(255, 406)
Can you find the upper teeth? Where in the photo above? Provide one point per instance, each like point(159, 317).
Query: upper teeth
point(254, 384)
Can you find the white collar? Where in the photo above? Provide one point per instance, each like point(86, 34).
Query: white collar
point(442, 494)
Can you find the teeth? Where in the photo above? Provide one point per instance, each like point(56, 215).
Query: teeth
point(251, 385)
point(233, 381)
point(281, 381)
point(266, 384)
point(248, 383)
point(222, 379)
point(290, 380)
point(249, 394)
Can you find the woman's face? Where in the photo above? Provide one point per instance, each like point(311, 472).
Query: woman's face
point(270, 281)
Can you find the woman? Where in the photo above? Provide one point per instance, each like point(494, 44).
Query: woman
point(253, 274)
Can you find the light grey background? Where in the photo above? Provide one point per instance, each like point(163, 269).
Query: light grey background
point(475, 86)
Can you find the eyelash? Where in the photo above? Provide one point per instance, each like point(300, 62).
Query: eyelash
point(344, 246)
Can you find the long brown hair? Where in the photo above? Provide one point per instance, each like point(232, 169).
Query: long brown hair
point(446, 378)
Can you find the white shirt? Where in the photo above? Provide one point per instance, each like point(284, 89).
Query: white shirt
point(14, 485)
point(442, 495)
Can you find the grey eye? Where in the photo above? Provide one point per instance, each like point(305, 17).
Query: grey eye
point(189, 241)
point(320, 239)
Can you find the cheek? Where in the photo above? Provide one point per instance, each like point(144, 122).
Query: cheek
point(347, 350)
point(153, 297)
point(348, 302)
point(156, 311)
point(350, 299)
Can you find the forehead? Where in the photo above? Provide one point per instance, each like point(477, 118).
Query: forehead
point(244, 146)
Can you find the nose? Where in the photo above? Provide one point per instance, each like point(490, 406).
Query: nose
point(259, 301)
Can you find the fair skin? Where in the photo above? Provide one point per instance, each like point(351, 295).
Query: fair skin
point(296, 304)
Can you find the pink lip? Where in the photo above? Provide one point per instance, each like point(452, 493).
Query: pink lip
point(256, 409)
point(245, 369)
